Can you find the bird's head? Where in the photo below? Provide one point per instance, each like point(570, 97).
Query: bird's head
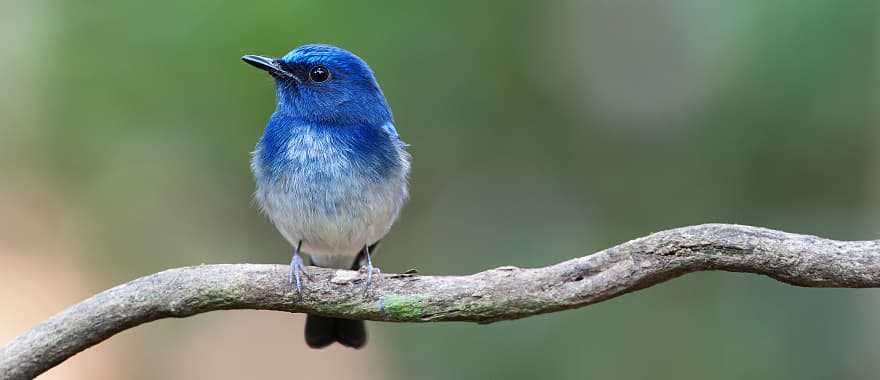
point(325, 84)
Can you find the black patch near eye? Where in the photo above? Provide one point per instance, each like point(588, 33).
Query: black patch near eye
point(319, 74)
point(286, 66)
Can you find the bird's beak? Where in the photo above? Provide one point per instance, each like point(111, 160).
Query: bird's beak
point(270, 65)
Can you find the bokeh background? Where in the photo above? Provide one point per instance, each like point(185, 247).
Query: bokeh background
point(540, 131)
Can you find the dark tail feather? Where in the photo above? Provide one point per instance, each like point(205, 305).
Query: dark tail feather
point(351, 333)
point(322, 332)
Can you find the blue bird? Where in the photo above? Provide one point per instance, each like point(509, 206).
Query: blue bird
point(331, 171)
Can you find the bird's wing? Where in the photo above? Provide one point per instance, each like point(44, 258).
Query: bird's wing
point(390, 130)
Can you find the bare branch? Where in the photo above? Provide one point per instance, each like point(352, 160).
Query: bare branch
point(499, 294)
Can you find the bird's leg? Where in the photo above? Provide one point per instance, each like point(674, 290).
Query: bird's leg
point(297, 268)
point(369, 269)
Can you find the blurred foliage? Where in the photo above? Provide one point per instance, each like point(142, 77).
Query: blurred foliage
point(540, 132)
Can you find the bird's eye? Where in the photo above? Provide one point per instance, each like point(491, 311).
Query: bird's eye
point(319, 74)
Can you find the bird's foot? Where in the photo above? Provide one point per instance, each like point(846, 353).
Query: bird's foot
point(370, 270)
point(297, 271)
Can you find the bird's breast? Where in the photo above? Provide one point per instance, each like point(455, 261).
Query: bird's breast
point(336, 190)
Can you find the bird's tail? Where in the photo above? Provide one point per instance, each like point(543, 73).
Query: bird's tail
point(322, 332)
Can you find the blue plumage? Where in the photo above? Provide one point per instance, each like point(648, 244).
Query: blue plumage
point(375, 150)
point(331, 171)
point(350, 96)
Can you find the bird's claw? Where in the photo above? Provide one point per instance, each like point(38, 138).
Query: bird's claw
point(369, 268)
point(297, 270)
point(370, 272)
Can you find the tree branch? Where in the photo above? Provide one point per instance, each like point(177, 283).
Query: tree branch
point(499, 294)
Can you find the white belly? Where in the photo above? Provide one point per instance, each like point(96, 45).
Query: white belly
point(333, 205)
point(333, 225)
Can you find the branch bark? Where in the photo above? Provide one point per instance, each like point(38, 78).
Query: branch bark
point(498, 294)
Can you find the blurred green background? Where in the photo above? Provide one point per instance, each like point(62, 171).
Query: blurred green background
point(539, 131)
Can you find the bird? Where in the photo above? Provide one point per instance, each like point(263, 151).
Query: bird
point(331, 171)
